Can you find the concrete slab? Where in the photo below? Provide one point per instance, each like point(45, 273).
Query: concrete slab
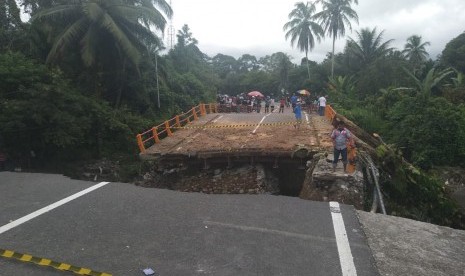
point(406, 247)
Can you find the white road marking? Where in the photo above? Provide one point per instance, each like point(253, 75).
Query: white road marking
point(216, 120)
point(343, 248)
point(50, 207)
point(178, 148)
point(261, 121)
point(306, 118)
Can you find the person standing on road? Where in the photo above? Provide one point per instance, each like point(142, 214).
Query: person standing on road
point(298, 114)
point(282, 102)
point(340, 136)
point(322, 105)
point(272, 104)
point(293, 101)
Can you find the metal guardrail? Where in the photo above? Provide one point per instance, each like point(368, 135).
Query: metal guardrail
point(152, 136)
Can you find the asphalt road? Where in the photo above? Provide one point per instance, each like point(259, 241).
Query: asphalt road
point(121, 229)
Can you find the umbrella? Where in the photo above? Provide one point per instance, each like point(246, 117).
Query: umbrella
point(303, 92)
point(255, 94)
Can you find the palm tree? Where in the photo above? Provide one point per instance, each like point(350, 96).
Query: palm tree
point(303, 29)
point(342, 84)
point(106, 27)
point(432, 79)
point(336, 14)
point(369, 46)
point(108, 34)
point(415, 52)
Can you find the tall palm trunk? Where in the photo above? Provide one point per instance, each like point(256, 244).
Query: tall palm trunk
point(332, 58)
point(158, 86)
point(308, 66)
point(120, 88)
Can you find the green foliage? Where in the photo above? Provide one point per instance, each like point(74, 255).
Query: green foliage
point(431, 81)
point(367, 119)
point(413, 194)
point(428, 130)
point(453, 54)
point(16, 71)
point(54, 120)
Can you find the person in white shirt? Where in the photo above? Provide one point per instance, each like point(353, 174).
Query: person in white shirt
point(322, 105)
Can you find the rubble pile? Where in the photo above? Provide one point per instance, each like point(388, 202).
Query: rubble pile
point(241, 180)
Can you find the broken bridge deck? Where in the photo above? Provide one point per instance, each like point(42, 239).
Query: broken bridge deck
point(267, 136)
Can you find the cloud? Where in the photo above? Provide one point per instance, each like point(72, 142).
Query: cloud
point(256, 26)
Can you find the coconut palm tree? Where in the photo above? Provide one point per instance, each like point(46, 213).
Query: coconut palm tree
point(369, 46)
point(121, 29)
point(108, 35)
point(415, 52)
point(336, 14)
point(303, 29)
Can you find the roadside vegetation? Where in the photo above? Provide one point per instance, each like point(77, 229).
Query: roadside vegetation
point(80, 79)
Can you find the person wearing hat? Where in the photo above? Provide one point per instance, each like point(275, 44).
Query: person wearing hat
point(298, 114)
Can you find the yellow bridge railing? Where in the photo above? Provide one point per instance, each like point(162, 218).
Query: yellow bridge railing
point(153, 135)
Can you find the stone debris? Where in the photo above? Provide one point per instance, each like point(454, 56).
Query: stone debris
point(245, 179)
point(325, 185)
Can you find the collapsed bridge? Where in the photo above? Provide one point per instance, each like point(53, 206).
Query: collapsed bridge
point(204, 137)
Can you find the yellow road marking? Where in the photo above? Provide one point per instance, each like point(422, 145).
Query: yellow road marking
point(46, 262)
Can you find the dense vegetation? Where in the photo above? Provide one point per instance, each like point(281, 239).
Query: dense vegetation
point(81, 78)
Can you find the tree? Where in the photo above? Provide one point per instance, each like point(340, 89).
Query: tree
point(97, 24)
point(106, 34)
point(433, 79)
point(186, 52)
point(10, 23)
point(334, 16)
point(303, 29)
point(415, 52)
point(224, 65)
point(247, 63)
point(284, 66)
point(369, 46)
point(453, 54)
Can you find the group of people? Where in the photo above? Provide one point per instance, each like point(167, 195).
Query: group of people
point(340, 136)
point(296, 103)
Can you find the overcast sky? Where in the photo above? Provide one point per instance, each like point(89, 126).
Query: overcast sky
point(256, 26)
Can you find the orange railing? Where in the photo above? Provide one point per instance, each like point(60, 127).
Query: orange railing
point(330, 113)
point(165, 129)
